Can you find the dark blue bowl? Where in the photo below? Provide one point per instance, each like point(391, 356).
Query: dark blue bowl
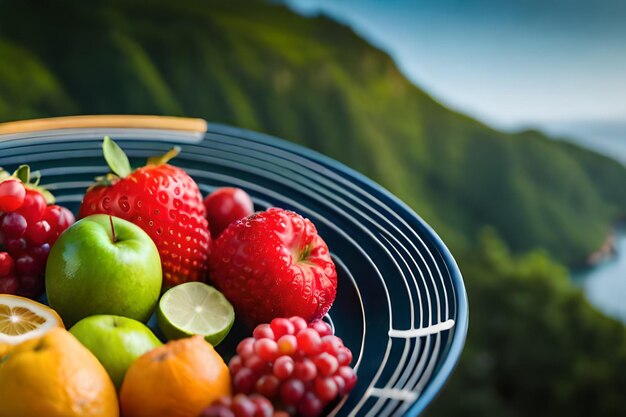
point(401, 304)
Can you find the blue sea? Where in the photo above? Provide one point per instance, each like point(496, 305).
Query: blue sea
point(604, 284)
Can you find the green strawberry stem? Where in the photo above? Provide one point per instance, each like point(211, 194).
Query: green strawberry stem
point(119, 163)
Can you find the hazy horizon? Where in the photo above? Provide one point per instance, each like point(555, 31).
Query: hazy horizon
point(525, 63)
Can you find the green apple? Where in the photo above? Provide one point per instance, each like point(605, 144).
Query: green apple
point(116, 342)
point(103, 265)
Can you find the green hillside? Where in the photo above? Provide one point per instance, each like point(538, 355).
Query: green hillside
point(535, 346)
point(315, 82)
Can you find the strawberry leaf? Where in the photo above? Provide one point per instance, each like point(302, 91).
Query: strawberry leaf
point(115, 157)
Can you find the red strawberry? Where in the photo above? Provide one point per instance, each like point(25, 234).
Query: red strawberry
point(165, 202)
point(274, 264)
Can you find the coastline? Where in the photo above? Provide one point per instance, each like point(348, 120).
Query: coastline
point(606, 251)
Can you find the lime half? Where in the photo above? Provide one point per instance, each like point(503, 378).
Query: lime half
point(195, 308)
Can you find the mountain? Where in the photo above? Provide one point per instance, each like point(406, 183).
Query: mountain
point(313, 81)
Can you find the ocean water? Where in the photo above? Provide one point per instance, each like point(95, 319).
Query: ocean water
point(605, 137)
point(605, 284)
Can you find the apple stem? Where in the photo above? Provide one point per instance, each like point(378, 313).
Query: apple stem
point(112, 229)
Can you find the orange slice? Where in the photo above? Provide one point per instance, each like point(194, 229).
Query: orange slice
point(22, 319)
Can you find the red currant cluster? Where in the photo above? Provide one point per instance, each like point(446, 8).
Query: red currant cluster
point(242, 405)
point(301, 368)
point(28, 228)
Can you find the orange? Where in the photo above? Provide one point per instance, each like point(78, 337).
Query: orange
point(178, 379)
point(22, 319)
point(54, 376)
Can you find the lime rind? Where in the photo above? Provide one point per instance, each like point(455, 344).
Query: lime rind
point(195, 308)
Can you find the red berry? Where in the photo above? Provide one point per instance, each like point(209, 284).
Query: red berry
point(321, 327)
point(344, 357)
point(340, 383)
point(348, 375)
point(263, 331)
point(9, 285)
point(287, 344)
point(242, 406)
point(14, 225)
point(274, 264)
point(37, 233)
point(310, 406)
point(244, 380)
point(256, 364)
point(40, 253)
point(267, 349)
point(245, 348)
point(331, 344)
point(12, 193)
point(268, 385)
point(59, 218)
point(291, 391)
point(283, 367)
point(264, 407)
point(26, 265)
point(33, 207)
point(305, 370)
point(6, 264)
point(309, 341)
point(326, 364)
point(325, 389)
point(226, 205)
point(16, 247)
point(298, 324)
point(281, 327)
point(235, 364)
point(217, 411)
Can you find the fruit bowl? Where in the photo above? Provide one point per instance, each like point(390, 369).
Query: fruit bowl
point(401, 305)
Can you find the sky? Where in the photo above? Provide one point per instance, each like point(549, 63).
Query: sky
point(510, 63)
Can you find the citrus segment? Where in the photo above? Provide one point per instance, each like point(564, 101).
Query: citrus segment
point(22, 319)
point(195, 308)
